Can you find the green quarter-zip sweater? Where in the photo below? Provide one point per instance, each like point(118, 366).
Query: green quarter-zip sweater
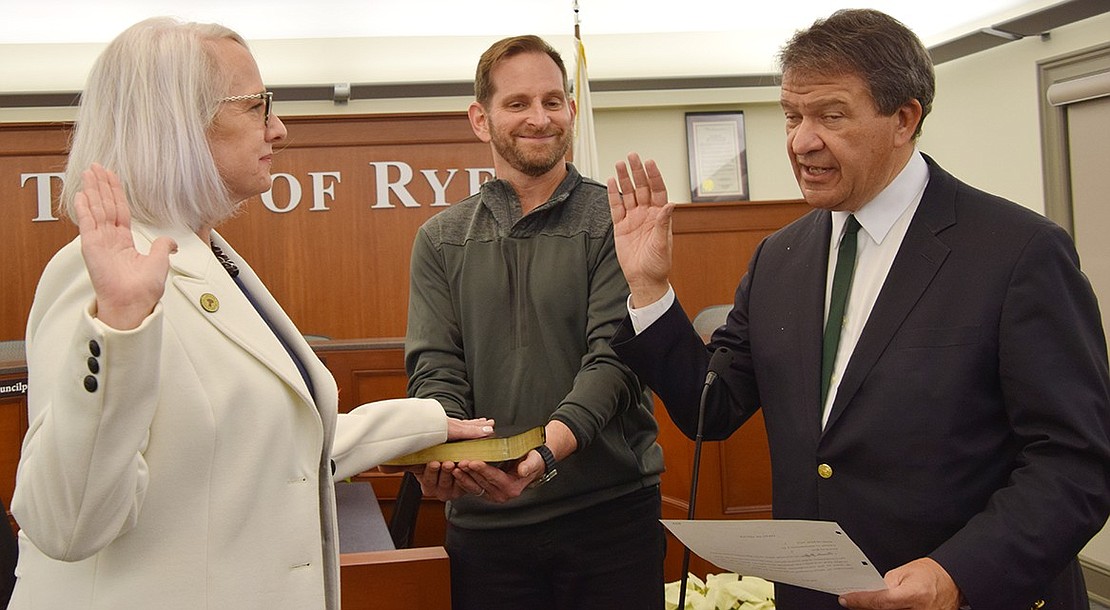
point(510, 318)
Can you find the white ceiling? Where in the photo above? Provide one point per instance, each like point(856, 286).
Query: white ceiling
point(440, 40)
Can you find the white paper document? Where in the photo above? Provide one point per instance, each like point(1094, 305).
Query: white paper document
point(812, 554)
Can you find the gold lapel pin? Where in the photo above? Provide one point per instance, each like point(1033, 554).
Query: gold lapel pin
point(209, 302)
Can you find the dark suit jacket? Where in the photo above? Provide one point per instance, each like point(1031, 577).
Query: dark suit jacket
point(972, 424)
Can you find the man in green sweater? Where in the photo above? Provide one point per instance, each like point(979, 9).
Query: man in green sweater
point(515, 293)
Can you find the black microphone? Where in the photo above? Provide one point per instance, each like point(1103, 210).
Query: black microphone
point(720, 361)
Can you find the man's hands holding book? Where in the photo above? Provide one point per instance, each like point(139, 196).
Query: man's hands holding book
point(509, 466)
point(501, 482)
point(497, 482)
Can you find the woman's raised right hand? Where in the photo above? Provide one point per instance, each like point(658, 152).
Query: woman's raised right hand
point(128, 284)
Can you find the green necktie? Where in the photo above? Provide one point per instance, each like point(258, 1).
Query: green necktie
point(838, 300)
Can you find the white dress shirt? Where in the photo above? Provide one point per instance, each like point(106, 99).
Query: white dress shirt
point(884, 221)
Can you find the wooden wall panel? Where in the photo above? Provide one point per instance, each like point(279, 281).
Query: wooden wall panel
point(338, 262)
point(713, 243)
point(365, 370)
point(13, 425)
point(337, 253)
point(712, 246)
point(27, 244)
point(343, 272)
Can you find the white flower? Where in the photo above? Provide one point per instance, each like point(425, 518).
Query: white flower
point(722, 592)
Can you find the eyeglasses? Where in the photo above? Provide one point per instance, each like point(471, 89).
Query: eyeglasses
point(265, 96)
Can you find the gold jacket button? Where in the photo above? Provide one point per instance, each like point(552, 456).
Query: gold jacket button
point(824, 471)
point(1037, 605)
point(209, 302)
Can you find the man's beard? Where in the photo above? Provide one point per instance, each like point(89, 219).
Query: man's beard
point(531, 163)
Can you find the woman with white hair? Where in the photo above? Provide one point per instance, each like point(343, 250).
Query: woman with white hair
point(183, 436)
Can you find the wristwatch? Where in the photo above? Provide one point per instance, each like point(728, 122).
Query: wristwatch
point(549, 470)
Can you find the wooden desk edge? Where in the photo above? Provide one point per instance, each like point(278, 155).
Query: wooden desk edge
point(428, 553)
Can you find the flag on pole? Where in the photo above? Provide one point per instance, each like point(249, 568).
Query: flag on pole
point(585, 140)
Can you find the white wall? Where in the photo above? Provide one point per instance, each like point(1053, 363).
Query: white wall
point(985, 126)
point(620, 131)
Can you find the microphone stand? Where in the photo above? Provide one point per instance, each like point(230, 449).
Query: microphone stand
point(719, 356)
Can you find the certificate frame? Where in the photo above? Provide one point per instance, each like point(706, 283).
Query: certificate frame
point(718, 156)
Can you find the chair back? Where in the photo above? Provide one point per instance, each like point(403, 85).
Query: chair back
point(710, 319)
point(13, 350)
point(402, 524)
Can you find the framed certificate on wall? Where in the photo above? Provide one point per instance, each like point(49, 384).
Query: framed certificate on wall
point(718, 159)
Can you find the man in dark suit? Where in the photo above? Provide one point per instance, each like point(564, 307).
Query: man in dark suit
point(957, 422)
